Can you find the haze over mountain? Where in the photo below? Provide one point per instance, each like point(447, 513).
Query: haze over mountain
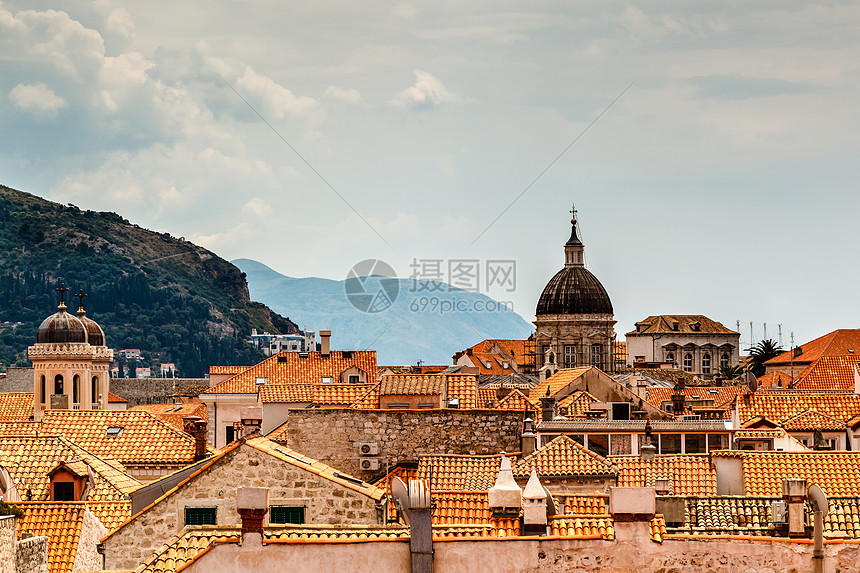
point(416, 326)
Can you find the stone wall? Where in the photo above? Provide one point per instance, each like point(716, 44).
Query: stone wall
point(87, 557)
point(325, 502)
point(31, 556)
point(7, 543)
point(17, 379)
point(153, 390)
point(333, 436)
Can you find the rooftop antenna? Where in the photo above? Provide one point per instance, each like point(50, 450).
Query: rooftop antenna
point(751, 334)
point(780, 334)
point(765, 331)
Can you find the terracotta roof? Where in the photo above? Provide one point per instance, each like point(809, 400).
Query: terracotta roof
point(461, 507)
point(520, 351)
point(780, 405)
point(657, 526)
point(20, 428)
point(557, 382)
point(758, 433)
point(564, 457)
point(184, 547)
point(369, 400)
point(229, 370)
point(730, 515)
point(174, 413)
point(320, 469)
point(280, 434)
point(144, 439)
point(774, 379)
point(114, 399)
point(412, 385)
point(721, 396)
point(811, 420)
point(318, 394)
point(486, 396)
point(576, 404)
point(836, 343)
point(16, 406)
point(829, 373)
point(844, 515)
point(837, 473)
point(691, 474)
point(516, 400)
point(62, 521)
point(298, 368)
point(663, 324)
point(29, 459)
point(574, 526)
point(464, 388)
point(451, 472)
point(591, 504)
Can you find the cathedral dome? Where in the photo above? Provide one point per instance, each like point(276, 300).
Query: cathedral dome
point(61, 327)
point(574, 290)
point(95, 334)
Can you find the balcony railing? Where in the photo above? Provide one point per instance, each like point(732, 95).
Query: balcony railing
point(76, 406)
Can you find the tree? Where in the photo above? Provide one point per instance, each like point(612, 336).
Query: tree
point(729, 372)
point(761, 353)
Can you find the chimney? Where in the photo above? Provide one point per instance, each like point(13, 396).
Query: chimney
point(252, 420)
point(534, 507)
point(528, 441)
point(794, 494)
point(325, 343)
point(505, 496)
point(678, 399)
point(196, 426)
point(648, 451)
point(252, 504)
point(420, 527)
point(548, 407)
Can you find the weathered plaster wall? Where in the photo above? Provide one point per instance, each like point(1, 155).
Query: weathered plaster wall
point(87, 557)
point(31, 555)
point(325, 503)
point(332, 436)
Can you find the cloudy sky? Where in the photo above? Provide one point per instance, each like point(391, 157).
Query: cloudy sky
point(723, 182)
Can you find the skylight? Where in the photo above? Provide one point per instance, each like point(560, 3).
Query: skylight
point(114, 432)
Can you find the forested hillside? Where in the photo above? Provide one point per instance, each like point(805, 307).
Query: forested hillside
point(174, 300)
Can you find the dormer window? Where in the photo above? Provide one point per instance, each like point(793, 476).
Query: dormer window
point(114, 432)
point(695, 326)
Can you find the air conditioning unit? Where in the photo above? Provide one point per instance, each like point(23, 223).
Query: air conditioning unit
point(368, 448)
point(369, 464)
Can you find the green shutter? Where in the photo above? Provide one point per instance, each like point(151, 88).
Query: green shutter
point(284, 514)
point(200, 515)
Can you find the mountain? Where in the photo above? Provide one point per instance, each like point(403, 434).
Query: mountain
point(412, 328)
point(174, 300)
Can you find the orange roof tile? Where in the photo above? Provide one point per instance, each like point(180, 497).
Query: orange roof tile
point(774, 379)
point(318, 394)
point(557, 382)
point(16, 406)
point(20, 428)
point(516, 400)
point(520, 351)
point(811, 420)
point(486, 396)
point(592, 504)
point(691, 474)
point(464, 388)
point(451, 472)
point(186, 546)
point(29, 459)
point(412, 385)
point(588, 527)
point(62, 522)
point(369, 400)
point(575, 405)
point(144, 439)
point(461, 507)
point(298, 368)
point(698, 396)
point(564, 457)
point(780, 405)
point(114, 399)
point(663, 324)
point(836, 343)
point(829, 373)
point(837, 473)
point(228, 370)
point(174, 413)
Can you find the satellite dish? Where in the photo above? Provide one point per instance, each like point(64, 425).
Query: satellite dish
point(400, 493)
point(550, 503)
point(752, 382)
point(91, 475)
point(818, 499)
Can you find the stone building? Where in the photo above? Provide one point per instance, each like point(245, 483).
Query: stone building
point(694, 343)
point(71, 362)
point(574, 318)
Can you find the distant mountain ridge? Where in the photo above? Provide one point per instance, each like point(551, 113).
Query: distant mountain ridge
point(406, 332)
point(174, 300)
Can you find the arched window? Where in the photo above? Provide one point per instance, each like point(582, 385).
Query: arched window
point(706, 363)
point(670, 357)
point(75, 388)
point(688, 362)
point(58, 384)
point(724, 360)
point(42, 390)
point(94, 397)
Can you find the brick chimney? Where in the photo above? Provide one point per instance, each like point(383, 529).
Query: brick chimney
point(252, 503)
point(325, 343)
point(196, 427)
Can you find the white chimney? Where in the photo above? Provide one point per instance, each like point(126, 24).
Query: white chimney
point(534, 503)
point(325, 343)
point(505, 494)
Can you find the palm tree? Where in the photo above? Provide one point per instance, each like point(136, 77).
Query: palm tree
point(761, 353)
point(729, 372)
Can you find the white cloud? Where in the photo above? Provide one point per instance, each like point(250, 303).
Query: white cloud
point(347, 95)
point(427, 91)
point(275, 101)
point(120, 26)
point(37, 99)
point(257, 207)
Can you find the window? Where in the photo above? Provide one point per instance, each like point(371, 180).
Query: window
point(113, 432)
point(285, 514)
point(58, 384)
point(718, 442)
point(694, 443)
point(201, 516)
point(570, 356)
point(688, 362)
point(724, 360)
point(596, 355)
point(670, 357)
point(670, 443)
point(620, 444)
point(229, 434)
point(706, 363)
point(64, 491)
point(42, 390)
point(75, 386)
point(354, 379)
point(599, 444)
point(94, 396)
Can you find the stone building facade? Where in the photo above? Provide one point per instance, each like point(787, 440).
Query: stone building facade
point(323, 500)
point(21, 556)
point(574, 318)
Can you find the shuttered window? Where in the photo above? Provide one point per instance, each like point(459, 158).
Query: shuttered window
point(201, 515)
point(284, 514)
